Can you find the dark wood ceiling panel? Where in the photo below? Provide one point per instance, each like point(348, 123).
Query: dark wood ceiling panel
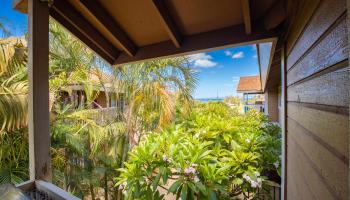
point(138, 19)
point(76, 32)
point(197, 16)
point(259, 8)
point(145, 30)
point(75, 19)
point(100, 13)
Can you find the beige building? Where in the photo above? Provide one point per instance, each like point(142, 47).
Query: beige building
point(104, 85)
point(253, 97)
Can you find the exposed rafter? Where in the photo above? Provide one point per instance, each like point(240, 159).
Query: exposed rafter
point(226, 37)
point(81, 36)
point(246, 16)
point(80, 26)
point(102, 15)
point(275, 15)
point(168, 22)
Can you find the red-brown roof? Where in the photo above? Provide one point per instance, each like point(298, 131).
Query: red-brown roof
point(249, 84)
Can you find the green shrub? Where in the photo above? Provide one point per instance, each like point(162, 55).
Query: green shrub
point(215, 153)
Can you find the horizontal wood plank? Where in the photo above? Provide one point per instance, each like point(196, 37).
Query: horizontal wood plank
point(330, 168)
point(329, 89)
point(332, 49)
point(334, 140)
point(53, 191)
point(327, 12)
point(327, 108)
point(296, 9)
point(308, 174)
point(298, 186)
point(320, 142)
point(26, 186)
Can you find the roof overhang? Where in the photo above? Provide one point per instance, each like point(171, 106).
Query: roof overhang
point(124, 31)
point(80, 87)
point(265, 52)
point(250, 91)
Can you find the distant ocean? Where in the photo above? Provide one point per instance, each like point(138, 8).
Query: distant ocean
point(210, 99)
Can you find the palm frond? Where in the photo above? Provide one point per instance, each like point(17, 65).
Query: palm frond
point(13, 88)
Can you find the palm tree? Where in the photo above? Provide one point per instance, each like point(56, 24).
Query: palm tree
point(4, 32)
point(151, 91)
point(14, 86)
point(13, 112)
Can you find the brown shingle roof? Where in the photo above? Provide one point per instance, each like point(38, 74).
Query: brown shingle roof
point(249, 84)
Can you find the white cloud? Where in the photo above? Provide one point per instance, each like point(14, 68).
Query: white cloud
point(228, 53)
point(205, 63)
point(238, 55)
point(196, 70)
point(202, 60)
point(255, 56)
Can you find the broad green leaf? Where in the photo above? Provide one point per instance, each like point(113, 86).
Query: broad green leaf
point(173, 188)
point(184, 192)
point(156, 181)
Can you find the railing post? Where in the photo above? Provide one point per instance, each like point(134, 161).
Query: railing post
point(284, 125)
point(38, 101)
point(348, 24)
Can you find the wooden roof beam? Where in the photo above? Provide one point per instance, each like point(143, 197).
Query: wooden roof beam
point(102, 15)
point(222, 38)
point(71, 28)
point(246, 16)
point(169, 24)
point(276, 15)
point(80, 27)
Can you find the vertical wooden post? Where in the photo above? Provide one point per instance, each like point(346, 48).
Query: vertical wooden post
point(284, 123)
point(38, 102)
point(348, 24)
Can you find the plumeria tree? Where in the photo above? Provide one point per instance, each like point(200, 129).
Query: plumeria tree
point(215, 153)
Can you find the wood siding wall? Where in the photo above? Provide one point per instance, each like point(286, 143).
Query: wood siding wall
point(271, 102)
point(317, 106)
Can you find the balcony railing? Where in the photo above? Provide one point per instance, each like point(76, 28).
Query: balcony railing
point(42, 190)
point(104, 115)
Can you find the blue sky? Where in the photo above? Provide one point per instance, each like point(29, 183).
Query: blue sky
point(218, 71)
point(15, 21)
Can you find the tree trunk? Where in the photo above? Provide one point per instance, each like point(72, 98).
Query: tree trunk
point(115, 190)
point(92, 191)
point(122, 151)
point(107, 98)
point(106, 185)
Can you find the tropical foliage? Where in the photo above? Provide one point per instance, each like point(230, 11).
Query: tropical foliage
point(86, 153)
point(151, 90)
point(215, 153)
point(234, 100)
point(13, 112)
point(176, 147)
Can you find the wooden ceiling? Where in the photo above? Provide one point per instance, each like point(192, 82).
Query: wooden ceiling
point(126, 31)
